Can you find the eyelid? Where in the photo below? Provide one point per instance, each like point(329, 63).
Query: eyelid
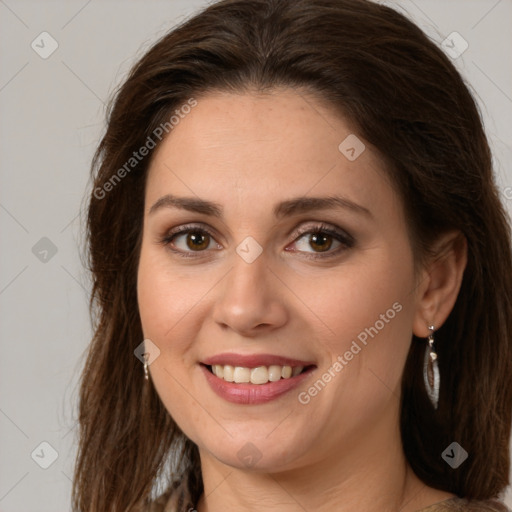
point(344, 238)
point(182, 229)
point(322, 227)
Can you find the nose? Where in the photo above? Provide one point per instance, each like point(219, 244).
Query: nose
point(250, 300)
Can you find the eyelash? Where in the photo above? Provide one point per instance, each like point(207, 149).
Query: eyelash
point(346, 240)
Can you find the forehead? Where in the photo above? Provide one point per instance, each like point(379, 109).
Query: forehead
point(246, 150)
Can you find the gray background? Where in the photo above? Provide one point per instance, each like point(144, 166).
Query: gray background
point(52, 119)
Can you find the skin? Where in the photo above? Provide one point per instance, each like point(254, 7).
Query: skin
point(341, 451)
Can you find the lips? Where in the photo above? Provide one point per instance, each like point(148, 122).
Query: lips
point(244, 391)
point(254, 360)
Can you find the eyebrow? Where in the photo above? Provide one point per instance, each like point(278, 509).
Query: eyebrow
point(289, 207)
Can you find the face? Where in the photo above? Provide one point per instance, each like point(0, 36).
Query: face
point(247, 270)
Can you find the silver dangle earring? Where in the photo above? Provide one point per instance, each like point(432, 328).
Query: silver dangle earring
point(431, 370)
point(146, 357)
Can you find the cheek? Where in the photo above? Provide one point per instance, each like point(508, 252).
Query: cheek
point(366, 317)
point(173, 305)
point(351, 298)
point(153, 297)
point(164, 300)
point(164, 296)
point(163, 306)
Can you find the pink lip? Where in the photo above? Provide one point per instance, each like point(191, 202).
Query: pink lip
point(253, 394)
point(254, 360)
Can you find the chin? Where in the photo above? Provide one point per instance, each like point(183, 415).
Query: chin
point(259, 452)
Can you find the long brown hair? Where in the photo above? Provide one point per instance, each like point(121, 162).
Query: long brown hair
point(406, 98)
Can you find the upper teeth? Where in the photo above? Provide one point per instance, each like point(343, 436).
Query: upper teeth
point(259, 375)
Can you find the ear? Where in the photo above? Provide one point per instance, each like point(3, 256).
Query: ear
point(440, 282)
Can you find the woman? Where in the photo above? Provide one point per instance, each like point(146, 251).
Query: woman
point(302, 274)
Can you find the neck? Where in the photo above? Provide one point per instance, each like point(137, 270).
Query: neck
point(370, 476)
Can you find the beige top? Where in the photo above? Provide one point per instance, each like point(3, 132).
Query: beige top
point(463, 505)
point(164, 504)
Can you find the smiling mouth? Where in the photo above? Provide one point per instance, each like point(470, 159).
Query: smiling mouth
point(258, 375)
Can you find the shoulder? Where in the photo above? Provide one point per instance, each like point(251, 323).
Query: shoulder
point(166, 503)
point(464, 505)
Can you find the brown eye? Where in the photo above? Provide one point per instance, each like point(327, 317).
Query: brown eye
point(197, 240)
point(320, 242)
point(189, 239)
